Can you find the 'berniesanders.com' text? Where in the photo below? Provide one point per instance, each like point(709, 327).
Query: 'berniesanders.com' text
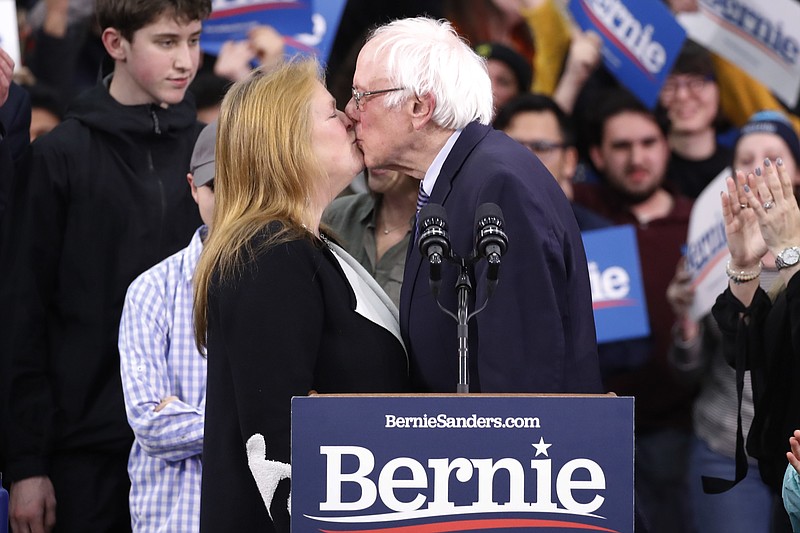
point(443, 421)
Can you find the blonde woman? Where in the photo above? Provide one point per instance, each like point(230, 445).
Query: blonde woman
point(282, 308)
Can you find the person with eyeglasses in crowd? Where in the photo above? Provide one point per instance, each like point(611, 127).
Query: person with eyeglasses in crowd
point(689, 101)
point(537, 122)
point(422, 104)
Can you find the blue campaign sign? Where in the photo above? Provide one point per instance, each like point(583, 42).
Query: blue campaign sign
point(308, 26)
point(327, 15)
point(402, 464)
point(620, 310)
point(641, 40)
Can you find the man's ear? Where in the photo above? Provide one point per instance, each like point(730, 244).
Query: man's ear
point(192, 186)
point(114, 43)
point(570, 161)
point(597, 158)
point(422, 108)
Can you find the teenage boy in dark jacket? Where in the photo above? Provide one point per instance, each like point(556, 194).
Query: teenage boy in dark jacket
point(104, 198)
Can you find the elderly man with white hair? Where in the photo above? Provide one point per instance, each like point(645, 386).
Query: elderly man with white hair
point(422, 102)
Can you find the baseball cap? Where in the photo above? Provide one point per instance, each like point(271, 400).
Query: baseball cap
point(202, 163)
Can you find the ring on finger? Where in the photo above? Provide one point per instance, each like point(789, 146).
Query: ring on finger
point(744, 206)
point(769, 204)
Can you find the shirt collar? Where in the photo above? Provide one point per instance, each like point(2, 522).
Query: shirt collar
point(193, 251)
point(433, 171)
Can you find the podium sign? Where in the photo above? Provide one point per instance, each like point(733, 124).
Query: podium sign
point(437, 463)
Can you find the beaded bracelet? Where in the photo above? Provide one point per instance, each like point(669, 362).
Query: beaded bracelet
point(742, 276)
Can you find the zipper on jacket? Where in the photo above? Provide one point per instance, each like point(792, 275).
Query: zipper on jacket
point(161, 194)
point(156, 124)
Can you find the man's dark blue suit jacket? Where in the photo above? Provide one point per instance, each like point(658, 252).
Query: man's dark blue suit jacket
point(537, 333)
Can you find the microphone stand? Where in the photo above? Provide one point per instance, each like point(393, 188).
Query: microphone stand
point(463, 290)
point(434, 244)
point(462, 315)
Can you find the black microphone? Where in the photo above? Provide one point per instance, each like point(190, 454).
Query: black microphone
point(491, 241)
point(434, 242)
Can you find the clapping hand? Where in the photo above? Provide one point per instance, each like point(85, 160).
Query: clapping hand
point(745, 242)
point(771, 196)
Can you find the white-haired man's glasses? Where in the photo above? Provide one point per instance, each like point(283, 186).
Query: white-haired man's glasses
point(358, 96)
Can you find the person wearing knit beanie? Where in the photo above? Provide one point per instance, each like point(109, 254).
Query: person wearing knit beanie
point(511, 73)
point(776, 123)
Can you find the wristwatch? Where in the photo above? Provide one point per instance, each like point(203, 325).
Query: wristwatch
point(788, 257)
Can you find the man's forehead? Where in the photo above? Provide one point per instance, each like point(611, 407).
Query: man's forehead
point(632, 126)
point(535, 120)
point(626, 140)
point(370, 65)
point(169, 24)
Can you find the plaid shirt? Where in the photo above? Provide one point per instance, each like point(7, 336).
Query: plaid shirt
point(158, 359)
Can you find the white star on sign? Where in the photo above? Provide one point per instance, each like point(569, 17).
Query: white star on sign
point(541, 448)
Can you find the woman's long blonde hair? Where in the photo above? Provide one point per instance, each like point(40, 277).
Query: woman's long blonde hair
point(264, 169)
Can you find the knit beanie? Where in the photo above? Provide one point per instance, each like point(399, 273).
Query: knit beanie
point(773, 122)
point(521, 67)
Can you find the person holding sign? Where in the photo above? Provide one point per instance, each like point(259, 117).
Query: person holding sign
point(15, 118)
point(281, 309)
point(760, 327)
point(629, 148)
point(15, 114)
point(689, 99)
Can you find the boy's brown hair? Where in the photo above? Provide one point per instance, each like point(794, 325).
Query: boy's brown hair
point(129, 16)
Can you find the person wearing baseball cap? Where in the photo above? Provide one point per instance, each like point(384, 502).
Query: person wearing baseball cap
point(164, 374)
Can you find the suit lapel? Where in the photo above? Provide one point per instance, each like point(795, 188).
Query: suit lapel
point(466, 142)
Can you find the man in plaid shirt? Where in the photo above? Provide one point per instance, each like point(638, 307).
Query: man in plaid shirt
point(164, 375)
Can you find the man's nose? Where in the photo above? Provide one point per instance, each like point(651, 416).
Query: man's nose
point(182, 59)
point(347, 121)
point(351, 111)
point(638, 154)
